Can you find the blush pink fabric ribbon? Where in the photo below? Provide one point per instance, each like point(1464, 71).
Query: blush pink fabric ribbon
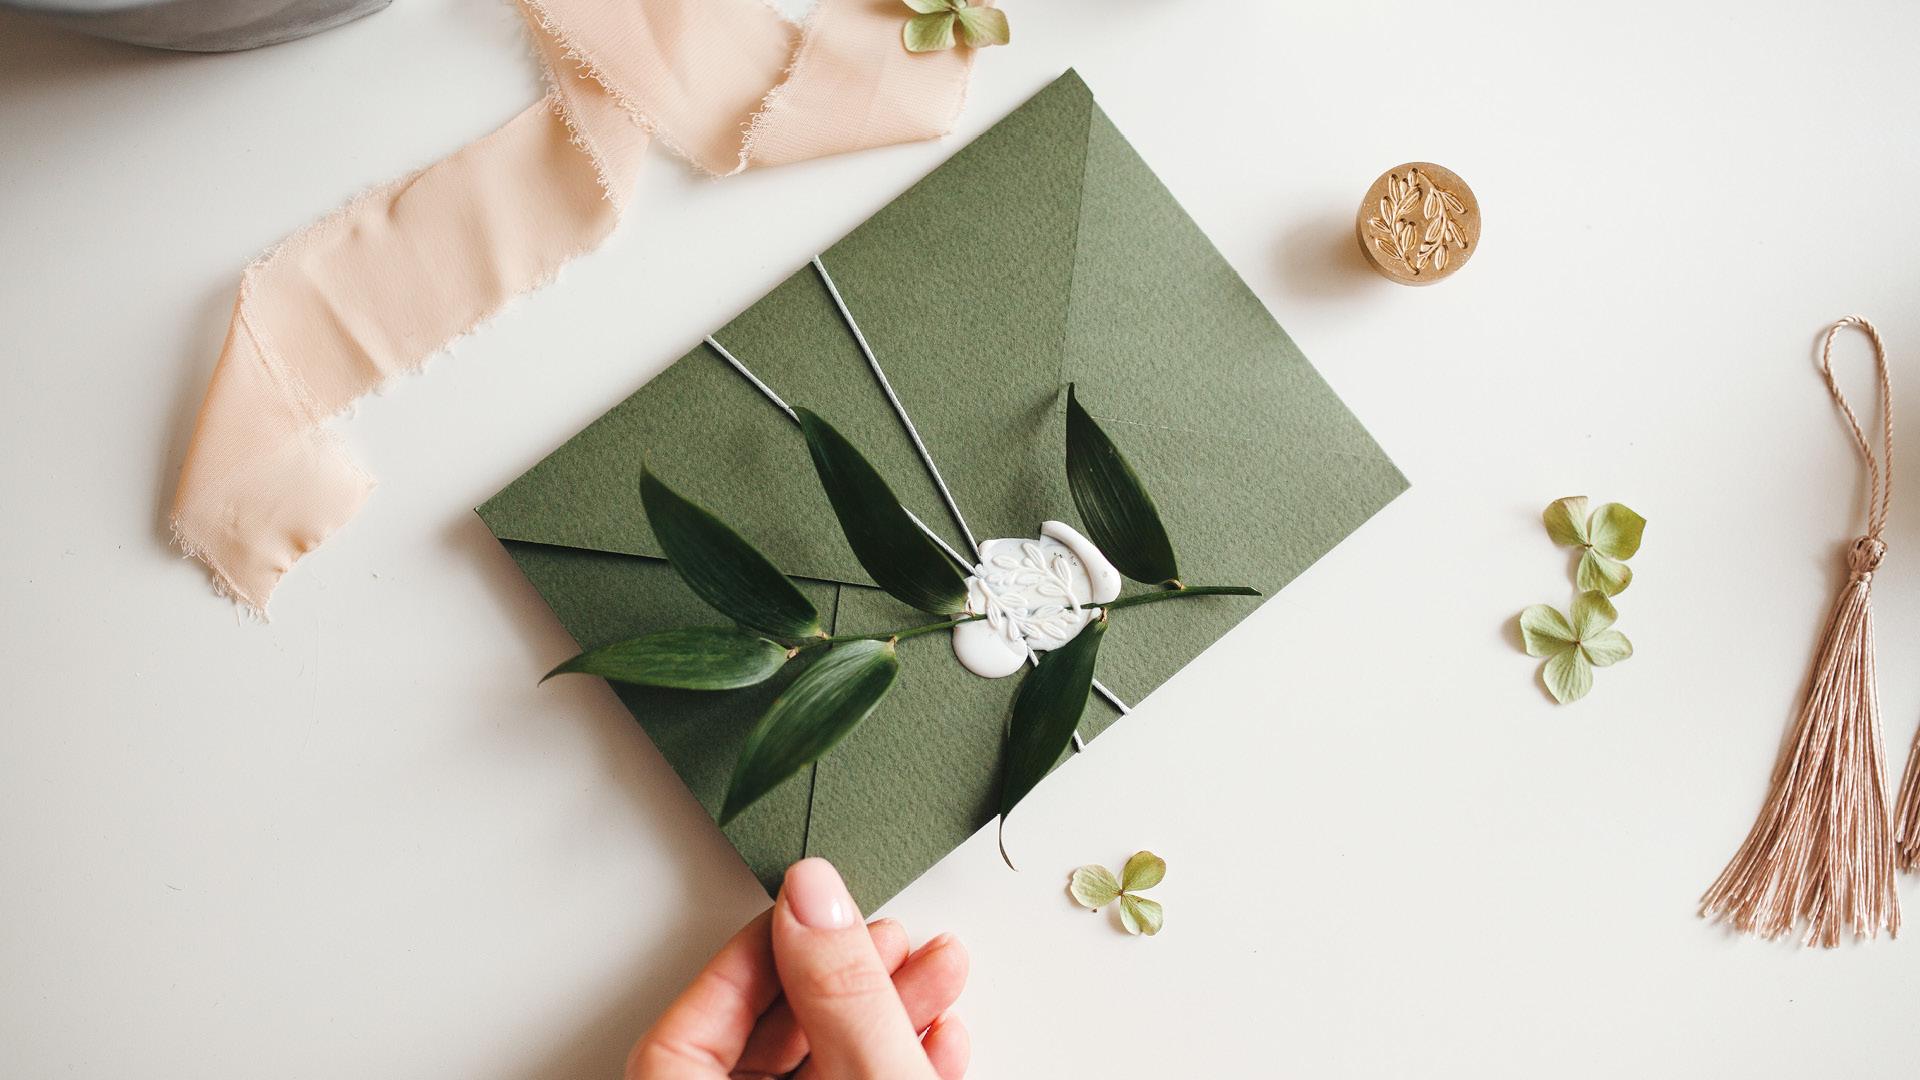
point(382, 285)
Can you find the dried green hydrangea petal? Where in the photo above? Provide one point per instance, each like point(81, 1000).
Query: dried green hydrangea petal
point(1607, 648)
point(1568, 675)
point(983, 26)
point(1592, 613)
point(1544, 631)
point(1140, 915)
point(1598, 573)
point(1615, 531)
point(1093, 887)
point(929, 33)
point(1566, 521)
point(1143, 871)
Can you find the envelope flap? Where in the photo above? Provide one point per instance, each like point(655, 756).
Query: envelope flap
point(961, 285)
point(1256, 465)
point(712, 436)
point(963, 289)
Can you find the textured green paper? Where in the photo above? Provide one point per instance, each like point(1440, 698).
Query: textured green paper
point(1089, 273)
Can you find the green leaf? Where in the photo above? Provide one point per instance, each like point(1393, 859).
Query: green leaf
point(828, 700)
point(929, 33)
point(722, 568)
point(1598, 573)
point(930, 7)
point(884, 538)
point(1616, 531)
point(698, 658)
point(1569, 675)
point(1566, 521)
point(1592, 613)
point(1115, 507)
point(1545, 632)
point(983, 26)
point(1046, 710)
point(1143, 871)
point(1094, 886)
point(1141, 916)
point(1607, 648)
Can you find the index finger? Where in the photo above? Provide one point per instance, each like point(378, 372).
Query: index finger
point(703, 1032)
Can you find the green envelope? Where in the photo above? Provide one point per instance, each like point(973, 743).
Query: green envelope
point(1044, 253)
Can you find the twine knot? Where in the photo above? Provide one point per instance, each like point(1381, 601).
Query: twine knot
point(1863, 558)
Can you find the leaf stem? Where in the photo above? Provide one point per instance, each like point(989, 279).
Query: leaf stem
point(896, 635)
point(947, 624)
point(1174, 594)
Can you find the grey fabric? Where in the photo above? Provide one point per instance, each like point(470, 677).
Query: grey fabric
point(200, 25)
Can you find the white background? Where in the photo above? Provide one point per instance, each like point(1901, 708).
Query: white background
point(359, 841)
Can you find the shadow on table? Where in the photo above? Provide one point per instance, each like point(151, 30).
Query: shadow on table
point(1319, 256)
point(39, 60)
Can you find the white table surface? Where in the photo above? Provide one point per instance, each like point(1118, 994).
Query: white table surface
point(359, 841)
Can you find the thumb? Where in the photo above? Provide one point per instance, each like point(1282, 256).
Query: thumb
point(834, 980)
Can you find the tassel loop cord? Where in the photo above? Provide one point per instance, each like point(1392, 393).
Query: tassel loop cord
point(1822, 852)
point(1879, 466)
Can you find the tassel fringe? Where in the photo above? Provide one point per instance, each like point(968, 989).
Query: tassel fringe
point(1822, 849)
point(1907, 847)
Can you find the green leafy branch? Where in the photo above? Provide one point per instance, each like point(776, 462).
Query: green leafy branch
point(774, 624)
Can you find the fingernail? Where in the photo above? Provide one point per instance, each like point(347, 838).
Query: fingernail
point(817, 896)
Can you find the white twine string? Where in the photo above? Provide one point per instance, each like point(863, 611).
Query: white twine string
point(893, 399)
point(768, 391)
point(748, 374)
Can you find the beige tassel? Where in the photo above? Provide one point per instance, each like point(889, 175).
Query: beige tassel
point(1822, 849)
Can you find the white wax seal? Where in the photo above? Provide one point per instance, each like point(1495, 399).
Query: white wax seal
point(1031, 594)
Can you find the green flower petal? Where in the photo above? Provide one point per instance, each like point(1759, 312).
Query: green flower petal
point(1592, 613)
point(983, 26)
point(929, 33)
point(1568, 675)
point(1143, 871)
point(930, 7)
point(1607, 648)
point(1545, 632)
point(1094, 887)
point(1601, 574)
point(1140, 915)
point(1566, 521)
point(1616, 531)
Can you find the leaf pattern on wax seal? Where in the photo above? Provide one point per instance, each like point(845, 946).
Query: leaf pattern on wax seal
point(1420, 245)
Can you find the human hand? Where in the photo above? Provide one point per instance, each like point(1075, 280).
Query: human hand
point(806, 990)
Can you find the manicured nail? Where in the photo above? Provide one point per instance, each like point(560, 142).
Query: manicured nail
point(817, 896)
